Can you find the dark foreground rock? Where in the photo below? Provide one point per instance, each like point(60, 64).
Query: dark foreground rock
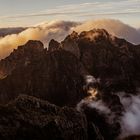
point(28, 118)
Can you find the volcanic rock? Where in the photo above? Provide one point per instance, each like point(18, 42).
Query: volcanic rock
point(70, 44)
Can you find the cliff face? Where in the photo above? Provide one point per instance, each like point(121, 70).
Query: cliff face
point(28, 118)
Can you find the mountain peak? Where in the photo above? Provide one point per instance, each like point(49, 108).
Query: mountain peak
point(95, 34)
point(32, 45)
point(20, 56)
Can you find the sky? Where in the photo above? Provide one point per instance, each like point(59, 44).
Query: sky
point(15, 13)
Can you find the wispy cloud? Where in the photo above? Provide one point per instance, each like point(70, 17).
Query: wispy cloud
point(40, 14)
point(98, 8)
point(84, 11)
point(112, 13)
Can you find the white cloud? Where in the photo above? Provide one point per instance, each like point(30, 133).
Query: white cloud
point(44, 32)
point(58, 30)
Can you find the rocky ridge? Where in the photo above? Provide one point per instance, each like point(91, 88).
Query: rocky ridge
point(28, 118)
point(23, 55)
point(58, 76)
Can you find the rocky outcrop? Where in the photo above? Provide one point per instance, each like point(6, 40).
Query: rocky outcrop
point(53, 76)
point(113, 60)
point(28, 118)
point(70, 44)
point(23, 55)
point(53, 45)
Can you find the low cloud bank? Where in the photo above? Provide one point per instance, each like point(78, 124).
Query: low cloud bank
point(58, 30)
point(44, 32)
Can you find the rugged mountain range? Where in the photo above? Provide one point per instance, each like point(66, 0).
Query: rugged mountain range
point(58, 75)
